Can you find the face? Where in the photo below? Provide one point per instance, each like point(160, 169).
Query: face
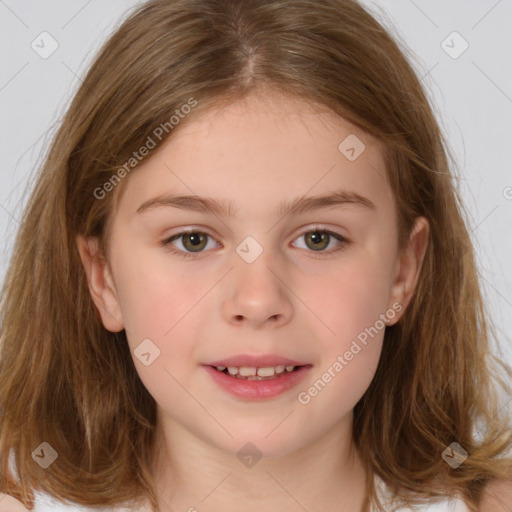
point(280, 275)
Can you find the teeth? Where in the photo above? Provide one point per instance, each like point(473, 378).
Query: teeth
point(266, 372)
point(245, 371)
point(253, 373)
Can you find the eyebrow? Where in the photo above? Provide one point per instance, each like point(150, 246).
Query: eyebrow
point(226, 208)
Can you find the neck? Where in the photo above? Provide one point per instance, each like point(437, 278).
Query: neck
point(193, 475)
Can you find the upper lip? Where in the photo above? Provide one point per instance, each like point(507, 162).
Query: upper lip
point(250, 361)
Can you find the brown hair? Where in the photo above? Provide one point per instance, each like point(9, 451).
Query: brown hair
point(64, 378)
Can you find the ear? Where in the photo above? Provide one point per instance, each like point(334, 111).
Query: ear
point(101, 283)
point(408, 267)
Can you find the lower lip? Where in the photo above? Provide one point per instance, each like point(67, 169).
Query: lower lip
point(258, 389)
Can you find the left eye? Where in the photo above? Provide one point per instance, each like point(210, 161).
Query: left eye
point(193, 242)
point(319, 239)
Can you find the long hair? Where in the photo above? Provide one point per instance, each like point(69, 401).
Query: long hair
point(68, 382)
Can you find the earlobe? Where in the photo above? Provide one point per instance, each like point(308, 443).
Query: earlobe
point(101, 283)
point(409, 266)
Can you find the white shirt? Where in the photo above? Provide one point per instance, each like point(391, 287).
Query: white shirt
point(455, 504)
point(46, 503)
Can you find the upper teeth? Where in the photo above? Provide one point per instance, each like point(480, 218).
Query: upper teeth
point(247, 371)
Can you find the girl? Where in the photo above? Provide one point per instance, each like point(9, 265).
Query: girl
point(244, 278)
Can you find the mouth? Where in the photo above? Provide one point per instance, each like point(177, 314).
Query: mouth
point(266, 378)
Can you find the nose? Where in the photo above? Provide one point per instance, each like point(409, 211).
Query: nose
point(257, 296)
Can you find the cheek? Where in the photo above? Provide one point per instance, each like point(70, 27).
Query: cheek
point(160, 324)
point(154, 295)
point(335, 389)
point(350, 306)
point(349, 297)
point(353, 308)
point(160, 313)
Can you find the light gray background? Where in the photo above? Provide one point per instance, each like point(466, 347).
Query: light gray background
point(472, 95)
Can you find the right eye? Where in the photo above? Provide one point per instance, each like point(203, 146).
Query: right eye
point(192, 241)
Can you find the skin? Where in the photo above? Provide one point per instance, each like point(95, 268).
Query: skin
point(497, 497)
point(292, 301)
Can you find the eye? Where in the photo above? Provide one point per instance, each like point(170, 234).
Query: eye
point(318, 239)
point(192, 242)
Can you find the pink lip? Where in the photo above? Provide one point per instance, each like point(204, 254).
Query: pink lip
point(256, 361)
point(258, 389)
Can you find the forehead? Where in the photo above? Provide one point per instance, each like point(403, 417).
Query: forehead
point(261, 148)
point(291, 118)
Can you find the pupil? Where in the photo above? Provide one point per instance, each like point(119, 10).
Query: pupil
point(318, 237)
point(194, 239)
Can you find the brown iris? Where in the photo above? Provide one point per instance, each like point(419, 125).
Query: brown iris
point(197, 241)
point(319, 238)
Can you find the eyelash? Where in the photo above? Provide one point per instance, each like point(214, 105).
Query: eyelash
point(167, 243)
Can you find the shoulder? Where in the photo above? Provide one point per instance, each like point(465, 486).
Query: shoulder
point(497, 497)
point(10, 504)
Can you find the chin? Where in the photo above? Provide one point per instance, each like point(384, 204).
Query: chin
point(263, 441)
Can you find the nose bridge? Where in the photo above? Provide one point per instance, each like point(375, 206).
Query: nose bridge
point(252, 272)
point(257, 293)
